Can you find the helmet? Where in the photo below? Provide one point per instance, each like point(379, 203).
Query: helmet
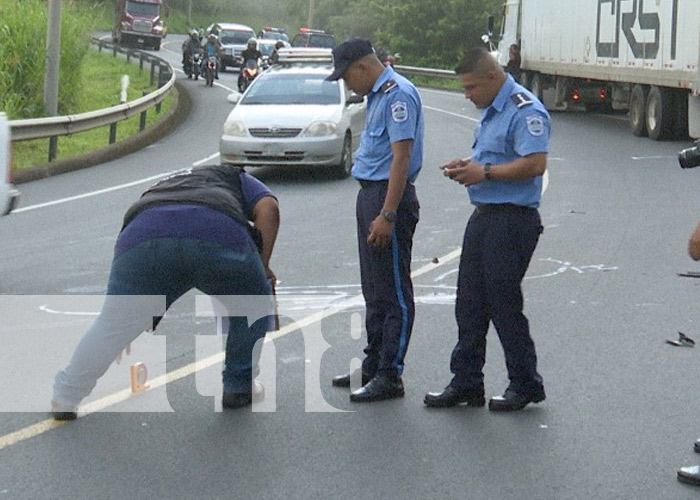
point(279, 44)
point(212, 37)
point(252, 42)
point(194, 34)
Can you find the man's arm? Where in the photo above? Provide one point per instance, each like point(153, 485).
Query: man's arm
point(470, 172)
point(380, 229)
point(266, 218)
point(694, 243)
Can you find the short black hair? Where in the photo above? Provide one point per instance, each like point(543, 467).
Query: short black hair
point(470, 62)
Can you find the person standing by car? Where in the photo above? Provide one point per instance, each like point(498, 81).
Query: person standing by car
point(504, 181)
point(274, 57)
point(190, 230)
point(387, 164)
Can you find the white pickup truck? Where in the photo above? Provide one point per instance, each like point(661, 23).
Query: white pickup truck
point(9, 196)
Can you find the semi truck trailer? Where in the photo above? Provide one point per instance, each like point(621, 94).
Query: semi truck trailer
point(636, 55)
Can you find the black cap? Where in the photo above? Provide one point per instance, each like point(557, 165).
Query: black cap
point(347, 53)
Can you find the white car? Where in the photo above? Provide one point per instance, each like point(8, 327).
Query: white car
point(290, 115)
point(9, 196)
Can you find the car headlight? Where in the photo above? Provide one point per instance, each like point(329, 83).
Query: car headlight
point(319, 129)
point(236, 129)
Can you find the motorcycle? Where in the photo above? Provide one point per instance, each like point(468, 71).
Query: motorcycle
point(249, 73)
point(210, 70)
point(192, 66)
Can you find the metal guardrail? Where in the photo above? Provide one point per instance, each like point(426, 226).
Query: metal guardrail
point(438, 73)
point(52, 127)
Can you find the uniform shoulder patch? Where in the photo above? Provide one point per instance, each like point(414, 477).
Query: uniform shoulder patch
point(535, 125)
point(520, 99)
point(387, 86)
point(399, 111)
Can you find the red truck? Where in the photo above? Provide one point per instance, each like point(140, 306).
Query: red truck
point(138, 22)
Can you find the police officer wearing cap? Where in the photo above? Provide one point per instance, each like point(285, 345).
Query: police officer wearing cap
point(504, 181)
point(386, 165)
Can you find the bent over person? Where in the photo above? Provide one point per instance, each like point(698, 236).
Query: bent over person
point(189, 230)
point(387, 163)
point(504, 180)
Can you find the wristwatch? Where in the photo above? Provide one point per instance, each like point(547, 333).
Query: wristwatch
point(487, 171)
point(389, 215)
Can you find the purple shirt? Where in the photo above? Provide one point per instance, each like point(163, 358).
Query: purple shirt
point(194, 221)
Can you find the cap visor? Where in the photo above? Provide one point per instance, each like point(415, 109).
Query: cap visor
point(337, 74)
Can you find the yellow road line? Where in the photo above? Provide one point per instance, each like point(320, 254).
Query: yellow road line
point(107, 401)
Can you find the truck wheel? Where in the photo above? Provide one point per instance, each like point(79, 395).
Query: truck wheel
point(157, 45)
point(637, 113)
point(525, 79)
point(659, 117)
point(536, 86)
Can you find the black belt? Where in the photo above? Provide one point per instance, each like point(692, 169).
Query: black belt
point(365, 183)
point(496, 208)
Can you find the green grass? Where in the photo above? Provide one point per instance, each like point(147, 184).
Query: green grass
point(100, 88)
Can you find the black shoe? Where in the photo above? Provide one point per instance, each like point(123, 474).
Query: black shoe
point(233, 400)
point(344, 380)
point(452, 396)
point(378, 389)
point(513, 401)
point(63, 413)
point(696, 446)
point(690, 475)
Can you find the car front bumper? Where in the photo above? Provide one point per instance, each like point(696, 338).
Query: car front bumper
point(252, 151)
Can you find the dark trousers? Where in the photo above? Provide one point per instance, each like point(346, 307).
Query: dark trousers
point(386, 281)
point(496, 252)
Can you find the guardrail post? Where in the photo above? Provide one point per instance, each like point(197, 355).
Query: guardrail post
point(114, 50)
point(142, 118)
point(53, 148)
point(129, 52)
point(141, 57)
point(113, 132)
point(163, 75)
point(99, 46)
point(153, 71)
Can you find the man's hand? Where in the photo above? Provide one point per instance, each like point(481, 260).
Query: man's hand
point(380, 231)
point(465, 172)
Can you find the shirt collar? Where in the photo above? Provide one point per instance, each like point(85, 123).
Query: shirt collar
point(506, 89)
point(384, 77)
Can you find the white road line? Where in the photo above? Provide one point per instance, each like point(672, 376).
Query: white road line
point(475, 120)
point(107, 190)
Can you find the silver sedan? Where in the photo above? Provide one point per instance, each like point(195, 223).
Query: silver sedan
point(290, 115)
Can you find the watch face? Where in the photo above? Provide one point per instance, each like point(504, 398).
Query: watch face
point(390, 216)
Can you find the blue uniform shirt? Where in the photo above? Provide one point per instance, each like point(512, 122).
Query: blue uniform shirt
point(515, 125)
point(394, 113)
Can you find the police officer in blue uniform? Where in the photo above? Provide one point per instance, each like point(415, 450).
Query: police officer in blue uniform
point(386, 165)
point(504, 180)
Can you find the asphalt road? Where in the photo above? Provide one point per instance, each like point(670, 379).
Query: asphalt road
point(602, 294)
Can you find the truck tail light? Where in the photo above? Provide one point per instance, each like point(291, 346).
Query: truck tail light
point(575, 95)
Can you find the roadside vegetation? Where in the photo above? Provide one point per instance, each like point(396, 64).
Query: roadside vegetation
point(426, 34)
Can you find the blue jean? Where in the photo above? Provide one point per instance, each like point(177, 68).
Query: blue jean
point(167, 268)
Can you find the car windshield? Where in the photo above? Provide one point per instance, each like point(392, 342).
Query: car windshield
point(325, 41)
point(292, 89)
point(266, 48)
point(230, 37)
point(142, 9)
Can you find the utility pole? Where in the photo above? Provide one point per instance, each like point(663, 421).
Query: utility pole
point(312, 8)
point(189, 13)
point(53, 53)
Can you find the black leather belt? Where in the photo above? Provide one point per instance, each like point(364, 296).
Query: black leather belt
point(495, 208)
point(365, 183)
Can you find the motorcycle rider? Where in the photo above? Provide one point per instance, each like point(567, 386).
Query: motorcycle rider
point(211, 49)
point(274, 57)
point(251, 52)
point(190, 47)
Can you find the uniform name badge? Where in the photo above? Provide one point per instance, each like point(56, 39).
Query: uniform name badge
point(535, 125)
point(399, 111)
